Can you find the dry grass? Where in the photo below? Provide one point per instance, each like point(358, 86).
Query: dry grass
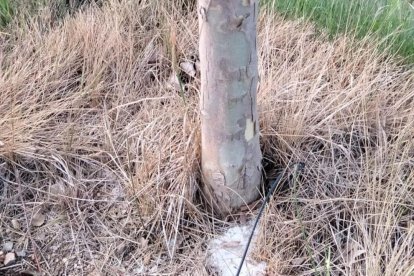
point(346, 111)
point(93, 137)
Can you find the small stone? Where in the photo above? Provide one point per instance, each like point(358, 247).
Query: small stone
point(144, 242)
point(21, 253)
point(65, 260)
point(41, 235)
point(147, 259)
point(57, 189)
point(298, 261)
point(9, 259)
point(188, 68)
point(8, 246)
point(38, 219)
point(1, 144)
point(174, 82)
point(15, 223)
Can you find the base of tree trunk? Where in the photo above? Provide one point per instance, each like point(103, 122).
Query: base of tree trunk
point(231, 156)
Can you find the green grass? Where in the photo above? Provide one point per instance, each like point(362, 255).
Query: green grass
point(391, 22)
point(5, 12)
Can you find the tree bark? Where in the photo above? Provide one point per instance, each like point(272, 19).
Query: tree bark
point(231, 156)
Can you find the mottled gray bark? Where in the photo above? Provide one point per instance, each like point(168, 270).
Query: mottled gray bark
point(231, 154)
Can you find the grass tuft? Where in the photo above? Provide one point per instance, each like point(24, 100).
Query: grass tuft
point(5, 12)
point(391, 22)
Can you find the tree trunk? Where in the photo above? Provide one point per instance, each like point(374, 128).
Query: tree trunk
point(231, 156)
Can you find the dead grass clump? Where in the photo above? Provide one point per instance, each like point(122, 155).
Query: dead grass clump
point(94, 136)
point(345, 110)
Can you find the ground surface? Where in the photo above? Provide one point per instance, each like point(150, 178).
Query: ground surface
point(99, 148)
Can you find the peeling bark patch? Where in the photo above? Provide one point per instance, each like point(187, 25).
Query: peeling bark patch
point(218, 178)
point(203, 14)
point(234, 136)
point(241, 123)
point(246, 3)
point(242, 183)
point(220, 188)
point(249, 132)
point(238, 22)
point(255, 127)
